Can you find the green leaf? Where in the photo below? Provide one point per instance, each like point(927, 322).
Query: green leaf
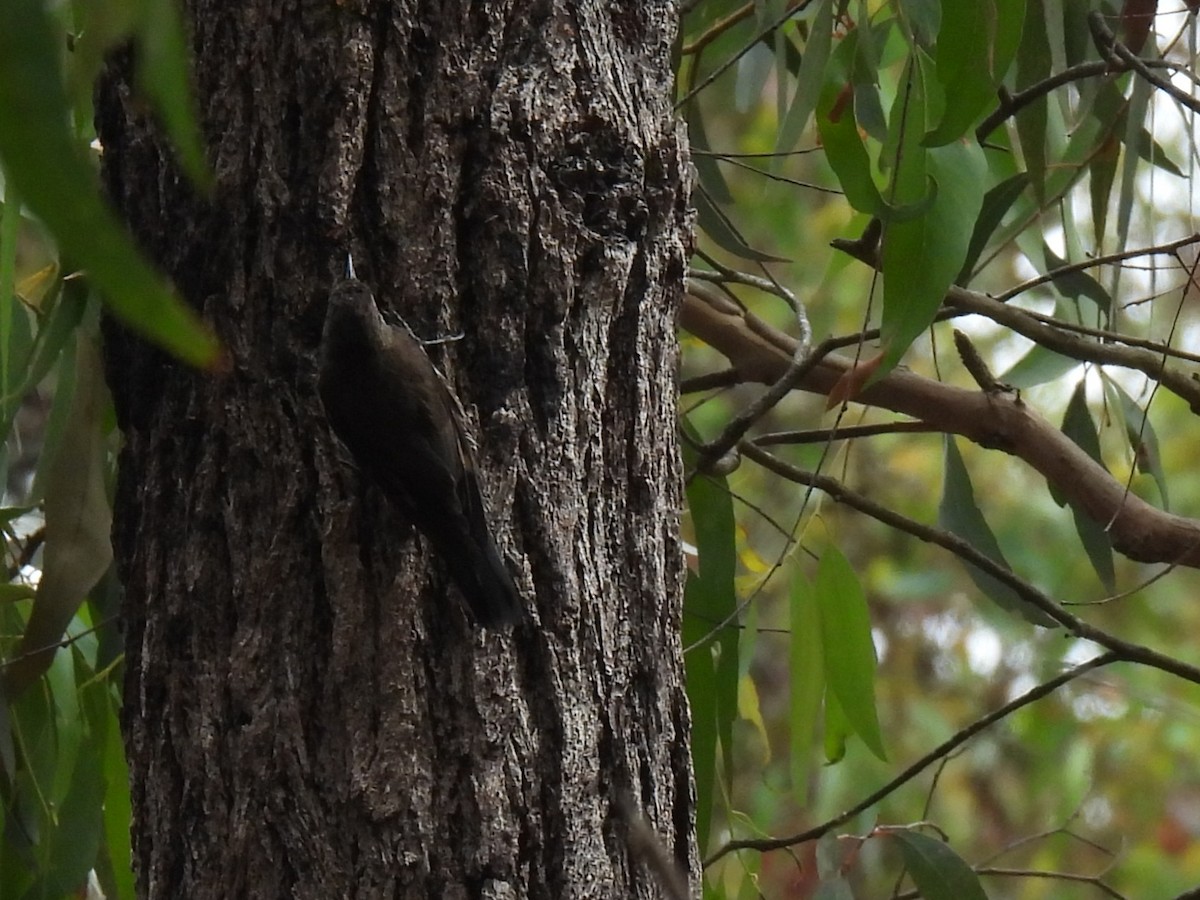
point(938, 872)
point(101, 708)
point(837, 730)
point(1010, 24)
point(8, 755)
point(163, 75)
point(53, 333)
point(806, 674)
point(968, 65)
point(750, 76)
point(1150, 150)
point(844, 148)
point(71, 847)
point(709, 173)
point(1038, 366)
point(1079, 427)
point(717, 226)
point(1086, 140)
point(711, 662)
point(959, 515)
point(868, 111)
point(68, 723)
point(809, 79)
point(921, 258)
point(923, 18)
point(700, 678)
point(848, 649)
point(10, 593)
point(1033, 66)
point(1075, 284)
point(1103, 171)
point(1143, 440)
point(57, 183)
point(64, 375)
point(996, 204)
point(78, 522)
point(10, 223)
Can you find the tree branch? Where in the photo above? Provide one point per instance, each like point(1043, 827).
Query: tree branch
point(996, 420)
point(1151, 364)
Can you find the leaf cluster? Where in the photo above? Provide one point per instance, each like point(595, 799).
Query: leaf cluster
point(992, 182)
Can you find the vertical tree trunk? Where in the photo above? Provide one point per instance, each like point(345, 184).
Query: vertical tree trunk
point(308, 710)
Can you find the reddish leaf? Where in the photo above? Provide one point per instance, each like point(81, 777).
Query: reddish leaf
point(845, 95)
point(1136, 16)
point(851, 384)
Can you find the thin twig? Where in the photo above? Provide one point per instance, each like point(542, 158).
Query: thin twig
point(1126, 650)
point(959, 738)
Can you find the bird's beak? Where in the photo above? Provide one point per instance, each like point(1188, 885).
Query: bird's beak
point(350, 266)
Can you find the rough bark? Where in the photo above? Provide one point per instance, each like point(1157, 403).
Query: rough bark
point(308, 711)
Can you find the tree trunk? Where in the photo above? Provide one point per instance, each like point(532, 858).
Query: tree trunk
point(309, 711)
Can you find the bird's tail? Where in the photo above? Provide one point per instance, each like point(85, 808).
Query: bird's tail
point(475, 564)
point(489, 590)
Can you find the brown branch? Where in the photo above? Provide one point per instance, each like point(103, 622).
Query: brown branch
point(1171, 248)
point(1012, 104)
point(1118, 55)
point(1151, 363)
point(995, 420)
point(845, 433)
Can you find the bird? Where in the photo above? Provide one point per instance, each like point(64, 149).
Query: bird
point(394, 411)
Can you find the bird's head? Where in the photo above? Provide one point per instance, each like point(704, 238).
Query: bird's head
point(352, 320)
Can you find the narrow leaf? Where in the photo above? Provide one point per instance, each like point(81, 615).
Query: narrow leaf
point(848, 650)
point(711, 665)
point(922, 258)
point(1103, 171)
point(57, 183)
point(837, 730)
point(964, 46)
point(717, 226)
point(1079, 427)
point(844, 148)
point(163, 75)
point(1038, 366)
point(1075, 284)
point(78, 522)
point(959, 515)
point(1143, 440)
point(1033, 66)
point(996, 204)
point(806, 672)
point(709, 173)
point(809, 79)
point(938, 872)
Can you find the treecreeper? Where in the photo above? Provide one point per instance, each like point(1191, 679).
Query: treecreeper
point(404, 427)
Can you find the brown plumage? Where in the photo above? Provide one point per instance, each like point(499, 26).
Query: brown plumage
point(396, 415)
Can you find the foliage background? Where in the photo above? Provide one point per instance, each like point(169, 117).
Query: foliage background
point(1097, 779)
